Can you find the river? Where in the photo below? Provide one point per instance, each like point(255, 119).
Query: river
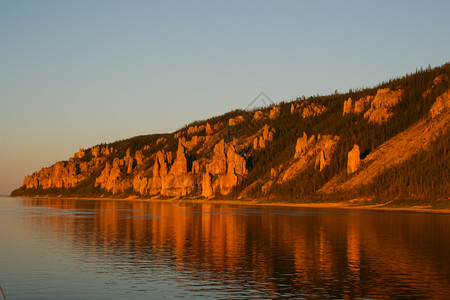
point(101, 249)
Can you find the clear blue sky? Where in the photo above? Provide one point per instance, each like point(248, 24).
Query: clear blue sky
point(78, 73)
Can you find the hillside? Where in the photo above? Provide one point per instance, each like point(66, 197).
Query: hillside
point(384, 143)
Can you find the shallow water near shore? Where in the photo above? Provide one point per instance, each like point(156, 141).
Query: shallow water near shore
point(106, 249)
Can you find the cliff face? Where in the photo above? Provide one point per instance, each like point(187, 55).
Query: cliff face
point(308, 151)
point(310, 146)
point(381, 105)
point(399, 149)
point(65, 174)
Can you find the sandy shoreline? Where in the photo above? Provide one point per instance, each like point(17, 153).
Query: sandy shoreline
point(327, 205)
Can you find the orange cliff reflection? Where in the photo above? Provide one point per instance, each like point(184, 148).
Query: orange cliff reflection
point(230, 243)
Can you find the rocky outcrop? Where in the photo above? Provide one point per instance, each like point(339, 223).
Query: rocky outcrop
point(63, 174)
point(175, 178)
point(163, 160)
point(207, 189)
point(313, 110)
point(192, 130)
point(396, 150)
point(180, 164)
point(258, 115)
point(348, 106)
point(107, 150)
point(358, 106)
point(218, 164)
point(31, 181)
point(441, 104)
point(317, 151)
point(170, 177)
point(361, 104)
point(225, 183)
point(307, 109)
point(195, 129)
point(195, 167)
point(80, 154)
point(326, 153)
point(301, 146)
point(189, 131)
point(274, 113)
point(227, 165)
point(129, 161)
point(262, 137)
point(140, 185)
point(139, 157)
point(235, 121)
point(95, 151)
point(209, 129)
point(109, 178)
point(382, 104)
point(235, 162)
point(353, 161)
point(193, 142)
point(268, 133)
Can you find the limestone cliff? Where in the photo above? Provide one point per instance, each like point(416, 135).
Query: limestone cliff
point(314, 150)
point(381, 106)
point(307, 110)
point(358, 106)
point(264, 136)
point(396, 150)
point(354, 160)
point(316, 146)
point(227, 165)
point(64, 174)
point(274, 112)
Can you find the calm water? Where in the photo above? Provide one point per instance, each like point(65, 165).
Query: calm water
point(80, 249)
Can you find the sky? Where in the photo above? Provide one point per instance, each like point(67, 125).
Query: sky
point(74, 74)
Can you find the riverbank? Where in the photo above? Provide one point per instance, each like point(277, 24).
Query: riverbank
point(355, 204)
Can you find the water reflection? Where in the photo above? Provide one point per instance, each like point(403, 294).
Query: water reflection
point(235, 251)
